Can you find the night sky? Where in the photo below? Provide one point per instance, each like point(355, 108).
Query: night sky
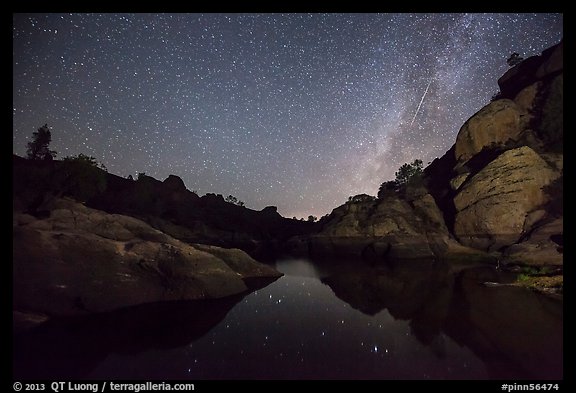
point(300, 111)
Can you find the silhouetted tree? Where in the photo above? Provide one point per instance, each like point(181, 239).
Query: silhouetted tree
point(406, 174)
point(388, 188)
point(83, 176)
point(37, 148)
point(514, 59)
point(312, 218)
point(408, 171)
point(234, 200)
point(361, 198)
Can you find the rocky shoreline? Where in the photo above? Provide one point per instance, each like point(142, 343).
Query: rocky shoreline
point(79, 260)
point(495, 197)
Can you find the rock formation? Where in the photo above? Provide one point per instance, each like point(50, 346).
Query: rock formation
point(493, 205)
point(78, 260)
point(495, 195)
point(166, 205)
point(385, 230)
point(508, 171)
point(441, 300)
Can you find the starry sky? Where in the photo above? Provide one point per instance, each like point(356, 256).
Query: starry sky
point(299, 111)
point(336, 341)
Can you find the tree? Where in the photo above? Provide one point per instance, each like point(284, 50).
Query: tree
point(406, 174)
point(231, 199)
point(408, 171)
point(37, 148)
point(514, 59)
point(312, 218)
point(86, 160)
point(83, 176)
point(234, 200)
point(388, 188)
point(361, 198)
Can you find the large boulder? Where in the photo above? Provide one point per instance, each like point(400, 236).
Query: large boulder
point(390, 216)
point(391, 229)
point(80, 260)
point(174, 183)
point(548, 64)
point(543, 246)
point(493, 205)
point(374, 229)
point(494, 124)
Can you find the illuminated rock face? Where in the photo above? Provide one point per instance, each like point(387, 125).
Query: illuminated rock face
point(81, 260)
point(494, 191)
point(493, 205)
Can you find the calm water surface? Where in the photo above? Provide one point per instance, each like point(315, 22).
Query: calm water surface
point(319, 321)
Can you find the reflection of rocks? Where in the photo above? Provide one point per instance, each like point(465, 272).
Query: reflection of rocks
point(81, 260)
point(71, 347)
point(524, 340)
point(402, 290)
point(519, 341)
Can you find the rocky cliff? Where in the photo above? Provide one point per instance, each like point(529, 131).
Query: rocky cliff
point(165, 205)
point(78, 260)
point(496, 194)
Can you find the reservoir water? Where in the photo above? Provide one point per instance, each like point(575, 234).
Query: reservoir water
point(326, 320)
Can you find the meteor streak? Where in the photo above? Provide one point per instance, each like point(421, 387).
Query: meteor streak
point(420, 104)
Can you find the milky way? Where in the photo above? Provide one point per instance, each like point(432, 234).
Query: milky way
point(294, 110)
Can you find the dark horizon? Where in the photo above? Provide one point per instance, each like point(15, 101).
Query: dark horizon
point(299, 111)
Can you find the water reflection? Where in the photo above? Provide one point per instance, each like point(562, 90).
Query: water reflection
point(348, 320)
point(515, 332)
point(72, 347)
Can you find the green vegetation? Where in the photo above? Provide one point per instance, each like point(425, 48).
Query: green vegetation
point(535, 270)
point(408, 175)
point(548, 284)
point(541, 278)
point(361, 198)
point(522, 277)
point(37, 148)
point(409, 172)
